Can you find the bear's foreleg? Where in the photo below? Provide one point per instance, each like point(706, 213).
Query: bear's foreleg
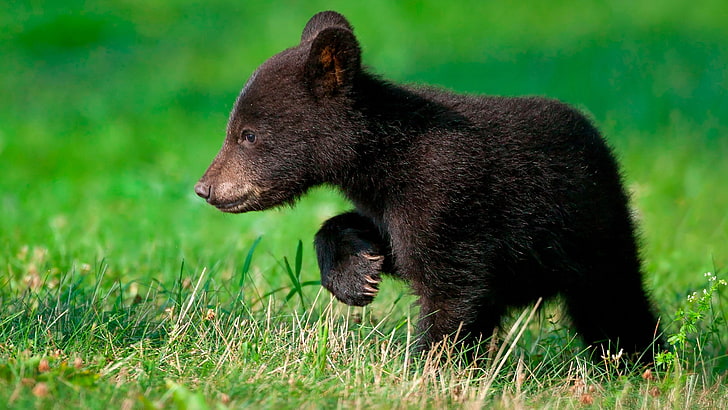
point(351, 256)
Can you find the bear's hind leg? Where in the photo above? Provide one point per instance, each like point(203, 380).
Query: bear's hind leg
point(614, 315)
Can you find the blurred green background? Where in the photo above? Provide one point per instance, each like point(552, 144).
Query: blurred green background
point(112, 110)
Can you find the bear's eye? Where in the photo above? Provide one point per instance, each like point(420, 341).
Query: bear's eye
point(246, 137)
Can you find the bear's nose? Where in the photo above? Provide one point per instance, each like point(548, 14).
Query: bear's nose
point(202, 190)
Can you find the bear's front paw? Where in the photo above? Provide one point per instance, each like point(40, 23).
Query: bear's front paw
point(355, 282)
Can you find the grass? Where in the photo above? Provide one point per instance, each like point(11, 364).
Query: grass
point(199, 343)
point(120, 287)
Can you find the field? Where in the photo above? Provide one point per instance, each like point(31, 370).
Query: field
point(119, 287)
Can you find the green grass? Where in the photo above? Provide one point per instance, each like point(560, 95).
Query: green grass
point(119, 287)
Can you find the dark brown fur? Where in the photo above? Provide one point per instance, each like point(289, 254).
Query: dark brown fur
point(480, 203)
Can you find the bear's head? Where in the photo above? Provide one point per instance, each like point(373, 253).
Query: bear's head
point(292, 125)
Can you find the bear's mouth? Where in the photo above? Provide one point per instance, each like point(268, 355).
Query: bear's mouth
point(245, 200)
point(234, 207)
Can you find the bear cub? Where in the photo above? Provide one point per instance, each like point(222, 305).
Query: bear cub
point(480, 203)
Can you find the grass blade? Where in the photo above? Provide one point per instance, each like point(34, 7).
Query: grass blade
point(248, 260)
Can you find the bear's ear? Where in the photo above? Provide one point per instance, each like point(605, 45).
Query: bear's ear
point(322, 20)
point(333, 61)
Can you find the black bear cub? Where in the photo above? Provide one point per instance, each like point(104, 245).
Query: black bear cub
point(479, 203)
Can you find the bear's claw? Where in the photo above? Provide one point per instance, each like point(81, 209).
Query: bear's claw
point(372, 280)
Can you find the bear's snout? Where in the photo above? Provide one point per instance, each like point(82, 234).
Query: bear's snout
point(230, 197)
